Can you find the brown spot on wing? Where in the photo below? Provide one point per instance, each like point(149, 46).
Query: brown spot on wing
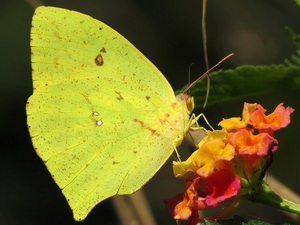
point(153, 131)
point(99, 60)
point(120, 97)
point(165, 118)
point(103, 50)
point(140, 122)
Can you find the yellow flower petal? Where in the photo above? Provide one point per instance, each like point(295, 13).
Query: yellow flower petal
point(233, 123)
point(247, 111)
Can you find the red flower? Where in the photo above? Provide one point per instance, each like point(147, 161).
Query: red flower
point(222, 185)
point(202, 193)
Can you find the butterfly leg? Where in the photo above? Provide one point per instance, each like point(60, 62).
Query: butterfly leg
point(176, 152)
point(195, 119)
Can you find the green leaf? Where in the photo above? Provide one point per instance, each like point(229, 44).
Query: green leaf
point(294, 59)
point(246, 81)
point(237, 220)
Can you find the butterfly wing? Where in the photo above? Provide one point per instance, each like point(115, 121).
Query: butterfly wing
point(102, 117)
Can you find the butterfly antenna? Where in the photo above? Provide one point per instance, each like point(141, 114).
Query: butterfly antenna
point(206, 73)
point(190, 72)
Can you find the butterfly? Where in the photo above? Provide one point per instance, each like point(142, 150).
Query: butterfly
point(102, 117)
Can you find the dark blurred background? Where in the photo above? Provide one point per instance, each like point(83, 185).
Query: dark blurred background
point(169, 33)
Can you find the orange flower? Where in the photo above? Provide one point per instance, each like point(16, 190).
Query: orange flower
point(245, 142)
point(254, 115)
point(185, 206)
point(280, 118)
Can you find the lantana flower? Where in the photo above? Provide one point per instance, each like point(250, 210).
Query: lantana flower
point(254, 115)
point(213, 150)
point(229, 163)
point(202, 193)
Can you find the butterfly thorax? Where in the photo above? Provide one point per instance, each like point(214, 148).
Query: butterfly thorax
point(181, 123)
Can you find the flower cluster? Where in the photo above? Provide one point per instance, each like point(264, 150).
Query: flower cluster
point(228, 162)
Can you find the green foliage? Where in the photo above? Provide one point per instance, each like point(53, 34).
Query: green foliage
point(238, 221)
point(249, 80)
point(294, 59)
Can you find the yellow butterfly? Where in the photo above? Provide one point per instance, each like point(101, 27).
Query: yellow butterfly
point(102, 117)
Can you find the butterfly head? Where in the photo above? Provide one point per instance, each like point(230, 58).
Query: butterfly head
point(187, 100)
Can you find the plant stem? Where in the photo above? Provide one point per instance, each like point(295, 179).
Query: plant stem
point(266, 196)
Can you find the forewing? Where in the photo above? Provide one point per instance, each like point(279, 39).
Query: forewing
point(102, 117)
